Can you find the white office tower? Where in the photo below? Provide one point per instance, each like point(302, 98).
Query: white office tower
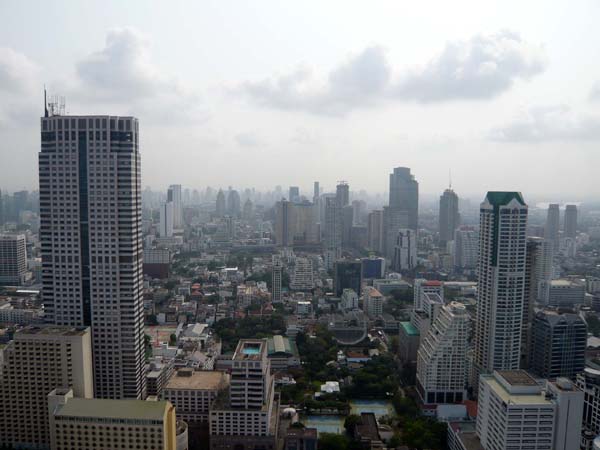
point(302, 275)
point(405, 252)
point(501, 289)
point(466, 248)
point(421, 287)
point(449, 218)
point(246, 413)
point(38, 360)
point(166, 220)
point(174, 195)
point(91, 241)
point(515, 412)
point(442, 357)
point(551, 231)
point(333, 232)
point(13, 259)
point(570, 228)
point(349, 299)
point(276, 279)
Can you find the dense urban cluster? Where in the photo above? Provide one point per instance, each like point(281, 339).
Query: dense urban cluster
point(225, 319)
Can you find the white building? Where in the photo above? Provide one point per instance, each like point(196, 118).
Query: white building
point(562, 293)
point(423, 287)
point(166, 220)
point(515, 412)
point(501, 290)
point(466, 248)
point(303, 308)
point(91, 241)
point(332, 236)
point(442, 357)
point(349, 299)
point(174, 196)
point(373, 303)
point(405, 251)
point(302, 275)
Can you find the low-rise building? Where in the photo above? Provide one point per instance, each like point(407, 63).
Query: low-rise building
point(282, 353)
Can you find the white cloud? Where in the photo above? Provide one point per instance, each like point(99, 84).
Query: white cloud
point(595, 92)
point(480, 68)
point(544, 124)
point(17, 72)
point(248, 139)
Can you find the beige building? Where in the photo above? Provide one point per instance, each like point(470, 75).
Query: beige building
point(192, 393)
point(102, 424)
point(37, 361)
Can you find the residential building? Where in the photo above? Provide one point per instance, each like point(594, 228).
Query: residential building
point(373, 303)
point(13, 259)
point(551, 232)
point(332, 238)
point(466, 248)
point(38, 360)
point(277, 272)
point(449, 216)
point(422, 287)
point(558, 345)
point(174, 196)
point(349, 299)
point(167, 220)
point(589, 382)
point(570, 225)
point(89, 424)
point(302, 275)
point(409, 341)
point(347, 274)
point(91, 241)
point(501, 290)
point(405, 252)
point(515, 412)
point(442, 357)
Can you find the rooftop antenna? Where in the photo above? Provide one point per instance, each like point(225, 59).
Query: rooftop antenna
point(45, 103)
point(450, 178)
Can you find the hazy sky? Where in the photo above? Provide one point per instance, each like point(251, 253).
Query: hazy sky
point(257, 93)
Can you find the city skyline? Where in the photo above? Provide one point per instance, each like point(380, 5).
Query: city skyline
point(515, 101)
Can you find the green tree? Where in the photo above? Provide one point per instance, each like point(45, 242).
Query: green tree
point(172, 339)
point(424, 433)
point(332, 441)
point(351, 421)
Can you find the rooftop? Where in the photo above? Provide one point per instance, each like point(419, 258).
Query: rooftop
point(409, 329)
point(53, 330)
point(114, 409)
point(517, 377)
point(250, 349)
point(501, 198)
point(199, 380)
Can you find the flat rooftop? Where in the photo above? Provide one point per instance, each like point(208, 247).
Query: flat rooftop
point(114, 409)
point(53, 330)
point(250, 349)
point(517, 377)
point(409, 329)
point(199, 380)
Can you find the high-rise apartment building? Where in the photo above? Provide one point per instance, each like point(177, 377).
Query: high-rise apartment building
point(38, 360)
point(466, 248)
point(501, 290)
point(375, 231)
point(449, 216)
point(558, 345)
point(13, 259)
point(405, 251)
point(551, 231)
point(246, 413)
point(91, 241)
point(515, 412)
point(174, 196)
point(589, 382)
point(166, 220)
point(332, 238)
point(570, 227)
point(442, 357)
point(277, 272)
point(302, 275)
point(422, 287)
point(372, 302)
point(404, 195)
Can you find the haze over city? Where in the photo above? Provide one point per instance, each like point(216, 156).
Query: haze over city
point(503, 94)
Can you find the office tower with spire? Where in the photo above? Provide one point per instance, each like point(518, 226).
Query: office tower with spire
point(570, 228)
point(442, 357)
point(501, 287)
point(174, 196)
point(91, 241)
point(220, 207)
point(449, 217)
point(551, 231)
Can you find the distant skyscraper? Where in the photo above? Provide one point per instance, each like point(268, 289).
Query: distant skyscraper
point(358, 208)
point(221, 208)
point(248, 209)
point(284, 223)
point(500, 296)
point(466, 248)
point(174, 195)
point(442, 357)
point(404, 195)
point(449, 216)
point(166, 220)
point(333, 232)
point(553, 226)
point(405, 251)
point(571, 221)
point(234, 206)
point(375, 231)
point(276, 280)
point(394, 220)
point(91, 241)
point(316, 191)
point(342, 194)
point(294, 194)
point(317, 202)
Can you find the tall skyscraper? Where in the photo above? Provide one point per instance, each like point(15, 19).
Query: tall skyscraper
point(375, 234)
point(38, 360)
point(553, 226)
point(284, 223)
point(294, 194)
point(404, 195)
point(466, 248)
point(91, 241)
point(166, 220)
point(570, 221)
point(13, 259)
point(442, 357)
point(449, 216)
point(405, 251)
point(317, 202)
point(174, 195)
point(234, 204)
point(500, 295)
point(220, 204)
point(316, 191)
point(342, 194)
point(333, 232)
point(276, 280)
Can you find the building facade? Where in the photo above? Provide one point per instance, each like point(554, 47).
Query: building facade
point(449, 216)
point(13, 259)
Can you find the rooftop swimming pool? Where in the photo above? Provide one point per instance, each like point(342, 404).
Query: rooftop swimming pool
point(251, 350)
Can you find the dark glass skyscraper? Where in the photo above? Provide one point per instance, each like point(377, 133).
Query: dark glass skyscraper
point(449, 216)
